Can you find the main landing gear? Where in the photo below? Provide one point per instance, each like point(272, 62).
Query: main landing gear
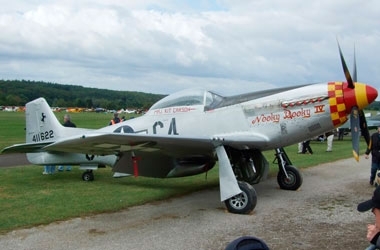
point(249, 167)
point(244, 202)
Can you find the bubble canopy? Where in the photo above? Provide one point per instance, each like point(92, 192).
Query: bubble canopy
point(189, 97)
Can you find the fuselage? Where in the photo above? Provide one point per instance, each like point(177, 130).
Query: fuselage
point(262, 120)
point(277, 119)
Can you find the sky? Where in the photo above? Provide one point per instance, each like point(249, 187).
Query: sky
point(163, 46)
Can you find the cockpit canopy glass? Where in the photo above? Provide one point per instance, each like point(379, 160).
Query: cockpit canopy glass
point(189, 97)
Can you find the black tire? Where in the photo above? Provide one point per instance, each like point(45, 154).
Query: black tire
point(243, 203)
point(88, 176)
point(293, 182)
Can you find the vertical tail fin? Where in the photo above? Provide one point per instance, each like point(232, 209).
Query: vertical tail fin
point(41, 123)
point(42, 128)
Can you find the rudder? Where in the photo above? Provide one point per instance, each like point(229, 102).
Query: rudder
point(41, 123)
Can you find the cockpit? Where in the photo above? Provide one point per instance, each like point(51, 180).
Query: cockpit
point(190, 97)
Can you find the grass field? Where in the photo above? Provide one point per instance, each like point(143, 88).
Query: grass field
point(28, 198)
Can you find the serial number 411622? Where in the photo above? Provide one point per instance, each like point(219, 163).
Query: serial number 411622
point(43, 136)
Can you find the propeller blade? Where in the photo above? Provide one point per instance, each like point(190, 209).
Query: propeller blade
point(345, 70)
point(354, 75)
point(355, 132)
point(364, 127)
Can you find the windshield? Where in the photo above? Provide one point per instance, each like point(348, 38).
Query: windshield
point(190, 97)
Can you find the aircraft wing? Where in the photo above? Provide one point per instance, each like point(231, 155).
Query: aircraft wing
point(242, 140)
point(111, 143)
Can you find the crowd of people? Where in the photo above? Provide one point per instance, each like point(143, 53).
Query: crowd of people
point(305, 148)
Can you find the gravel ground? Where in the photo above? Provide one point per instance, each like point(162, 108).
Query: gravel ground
point(320, 215)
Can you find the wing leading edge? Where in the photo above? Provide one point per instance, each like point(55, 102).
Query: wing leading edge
point(112, 143)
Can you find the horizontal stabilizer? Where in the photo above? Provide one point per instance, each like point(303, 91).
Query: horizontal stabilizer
point(25, 148)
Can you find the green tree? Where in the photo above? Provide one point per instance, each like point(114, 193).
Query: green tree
point(14, 100)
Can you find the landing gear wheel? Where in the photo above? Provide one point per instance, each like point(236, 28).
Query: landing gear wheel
point(243, 203)
point(88, 175)
point(294, 180)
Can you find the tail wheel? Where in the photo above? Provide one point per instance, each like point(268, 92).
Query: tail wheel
point(293, 181)
point(243, 203)
point(88, 176)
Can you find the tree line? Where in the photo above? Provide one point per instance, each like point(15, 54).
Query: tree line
point(19, 92)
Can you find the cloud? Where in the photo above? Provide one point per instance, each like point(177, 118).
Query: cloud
point(165, 46)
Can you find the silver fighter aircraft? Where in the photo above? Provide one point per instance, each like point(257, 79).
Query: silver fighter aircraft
point(187, 132)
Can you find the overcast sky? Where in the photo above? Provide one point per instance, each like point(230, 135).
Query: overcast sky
point(162, 46)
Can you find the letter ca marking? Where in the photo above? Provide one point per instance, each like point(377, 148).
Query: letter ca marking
point(172, 127)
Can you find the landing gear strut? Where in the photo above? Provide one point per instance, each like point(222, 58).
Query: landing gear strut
point(288, 177)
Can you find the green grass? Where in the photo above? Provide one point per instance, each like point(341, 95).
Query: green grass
point(28, 198)
point(12, 126)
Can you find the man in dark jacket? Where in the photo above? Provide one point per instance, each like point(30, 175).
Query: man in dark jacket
point(67, 121)
point(374, 149)
point(373, 230)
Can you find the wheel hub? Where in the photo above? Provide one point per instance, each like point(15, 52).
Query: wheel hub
point(290, 180)
point(239, 201)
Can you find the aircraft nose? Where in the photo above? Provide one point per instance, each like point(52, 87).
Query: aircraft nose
point(361, 96)
point(371, 94)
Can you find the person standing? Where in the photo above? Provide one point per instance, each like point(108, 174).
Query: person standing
point(300, 147)
point(67, 123)
point(340, 134)
point(373, 230)
point(306, 147)
point(329, 138)
point(374, 149)
point(49, 169)
point(115, 119)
